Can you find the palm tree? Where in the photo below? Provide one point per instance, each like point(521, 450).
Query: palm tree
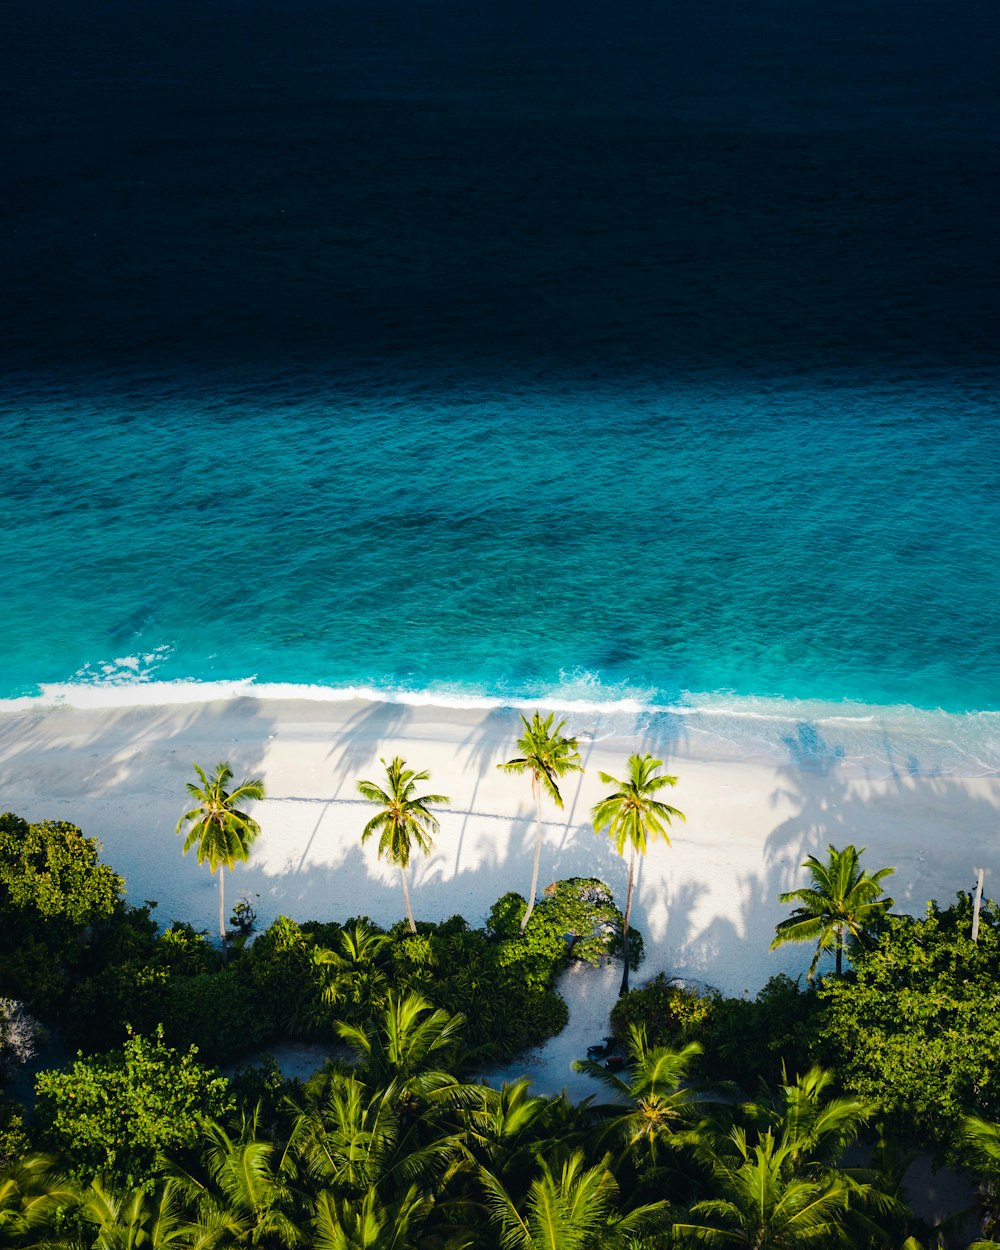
point(404, 819)
point(241, 1189)
point(842, 901)
point(762, 1204)
point(547, 756)
point(652, 1102)
point(32, 1195)
point(784, 1186)
point(633, 815)
point(410, 1049)
point(981, 1141)
point(130, 1219)
point(368, 1222)
point(567, 1207)
point(218, 829)
point(354, 975)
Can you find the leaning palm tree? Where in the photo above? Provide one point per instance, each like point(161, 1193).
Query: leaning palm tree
point(220, 832)
point(403, 820)
point(843, 901)
point(546, 755)
point(634, 816)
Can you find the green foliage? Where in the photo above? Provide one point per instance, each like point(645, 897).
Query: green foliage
point(183, 950)
point(51, 872)
point(917, 1022)
point(114, 1113)
point(53, 891)
point(743, 1040)
point(843, 904)
point(215, 1012)
point(285, 978)
point(15, 1140)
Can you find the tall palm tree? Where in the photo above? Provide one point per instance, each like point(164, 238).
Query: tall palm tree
point(546, 756)
point(634, 816)
point(220, 832)
point(403, 820)
point(842, 901)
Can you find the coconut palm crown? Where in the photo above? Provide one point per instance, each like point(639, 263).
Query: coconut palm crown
point(404, 820)
point(842, 902)
point(219, 831)
point(546, 755)
point(634, 817)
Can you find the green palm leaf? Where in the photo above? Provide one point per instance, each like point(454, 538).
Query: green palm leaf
point(633, 817)
point(219, 831)
point(546, 756)
point(404, 821)
point(843, 902)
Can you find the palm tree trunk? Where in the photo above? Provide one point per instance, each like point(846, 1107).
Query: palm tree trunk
point(628, 914)
point(406, 898)
point(538, 854)
point(840, 950)
point(222, 913)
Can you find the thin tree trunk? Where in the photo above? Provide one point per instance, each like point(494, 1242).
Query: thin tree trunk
point(222, 914)
point(538, 854)
point(840, 950)
point(406, 897)
point(628, 914)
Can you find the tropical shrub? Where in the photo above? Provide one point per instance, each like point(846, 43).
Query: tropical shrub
point(216, 1012)
point(114, 1113)
point(743, 1040)
point(53, 892)
point(49, 872)
point(916, 1024)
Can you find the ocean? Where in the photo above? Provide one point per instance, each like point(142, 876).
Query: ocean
point(631, 358)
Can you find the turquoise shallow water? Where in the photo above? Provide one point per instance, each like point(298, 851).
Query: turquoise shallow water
point(821, 541)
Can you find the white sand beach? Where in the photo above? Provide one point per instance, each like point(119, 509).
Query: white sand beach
point(707, 904)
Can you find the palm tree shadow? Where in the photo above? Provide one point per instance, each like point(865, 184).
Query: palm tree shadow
point(360, 740)
point(482, 754)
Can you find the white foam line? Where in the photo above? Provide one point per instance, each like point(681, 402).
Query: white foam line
point(122, 694)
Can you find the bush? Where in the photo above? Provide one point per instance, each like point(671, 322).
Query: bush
point(216, 1012)
point(114, 1113)
point(743, 1040)
point(916, 1022)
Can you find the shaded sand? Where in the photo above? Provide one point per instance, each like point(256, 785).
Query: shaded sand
point(707, 904)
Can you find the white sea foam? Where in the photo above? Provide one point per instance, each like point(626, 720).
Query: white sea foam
point(817, 735)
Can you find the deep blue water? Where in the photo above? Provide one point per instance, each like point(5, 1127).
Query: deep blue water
point(618, 350)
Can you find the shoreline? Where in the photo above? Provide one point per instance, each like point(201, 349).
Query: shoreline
point(707, 905)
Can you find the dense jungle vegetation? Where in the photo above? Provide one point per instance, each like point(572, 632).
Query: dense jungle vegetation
point(782, 1121)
